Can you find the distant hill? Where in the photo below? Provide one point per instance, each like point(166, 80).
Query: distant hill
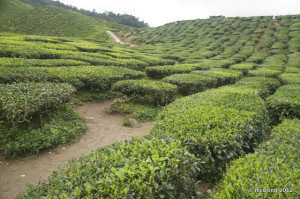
point(124, 19)
point(19, 17)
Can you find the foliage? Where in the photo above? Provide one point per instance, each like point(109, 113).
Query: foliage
point(140, 112)
point(147, 91)
point(22, 102)
point(191, 83)
point(290, 78)
point(223, 76)
point(265, 85)
point(243, 67)
point(163, 71)
point(59, 127)
point(261, 72)
point(217, 126)
point(285, 103)
point(134, 169)
point(270, 172)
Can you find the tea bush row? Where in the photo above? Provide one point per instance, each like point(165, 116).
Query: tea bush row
point(147, 91)
point(271, 172)
point(22, 102)
point(217, 126)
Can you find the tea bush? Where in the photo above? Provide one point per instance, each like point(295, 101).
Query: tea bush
point(243, 67)
point(59, 127)
point(191, 83)
point(274, 165)
point(133, 169)
point(163, 71)
point(261, 72)
point(22, 102)
point(290, 78)
point(285, 103)
point(264, 85)
point(224, 76)
point(147, 91)
point(217, 126)
point(21, 74)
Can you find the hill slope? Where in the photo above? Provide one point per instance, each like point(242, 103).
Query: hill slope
point(19, 17)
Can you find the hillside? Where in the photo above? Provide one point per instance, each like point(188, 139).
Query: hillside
point(18, 17)
point(224, 93)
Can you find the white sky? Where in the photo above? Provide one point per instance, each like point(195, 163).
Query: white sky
point(160, 12)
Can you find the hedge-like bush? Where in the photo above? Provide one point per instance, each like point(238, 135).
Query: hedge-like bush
point(191, 83)
point(59, 127)
point(264, 85)
point(163, 71)
point(261, 72)
point(285, 103)
point(271, 172)
point(21, 102)
point(224, 76)
point(134, 169)
point(243, 67)
point(20, 74)
point(147, 91)
point(290, 78)
point(217, 126)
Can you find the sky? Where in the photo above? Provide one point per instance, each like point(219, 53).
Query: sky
point(160, 12)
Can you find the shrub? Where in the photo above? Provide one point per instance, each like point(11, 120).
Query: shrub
point(59, 127)
point(271, 172)
point(217, 126)
point(147, 91)
point(134, 169)
point(243, 67)
point(21, 102)
point(224, 76)
point(264, 85)
point(191, 83)
point(294, 59)
point(99, 78)
point(20, 74)
point(162, 71)
point(261, 72)
point(290, 78)
point(285, 103)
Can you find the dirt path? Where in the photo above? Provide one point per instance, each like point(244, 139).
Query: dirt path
point(103, 129)
point(118, 39)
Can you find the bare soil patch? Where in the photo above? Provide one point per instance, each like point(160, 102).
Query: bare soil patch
point(103, 129)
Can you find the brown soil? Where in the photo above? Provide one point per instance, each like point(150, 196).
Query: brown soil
point(103, 129)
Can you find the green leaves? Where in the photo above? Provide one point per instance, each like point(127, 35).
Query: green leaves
point(20, 102)
point(147, 91)
point(274, 165)
point(133, 169)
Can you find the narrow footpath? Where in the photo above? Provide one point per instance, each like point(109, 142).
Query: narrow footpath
point(103, 129)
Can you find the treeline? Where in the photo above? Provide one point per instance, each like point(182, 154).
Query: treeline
point(124, 19)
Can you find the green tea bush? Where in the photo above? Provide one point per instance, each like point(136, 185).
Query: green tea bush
point(59, 127)
point(271, 172)
point(21, 102)
point(217, 126)
point(133, 169)
point(243, 67)
point(99, 78)
point(20, 74)
point(294, 59)
point(261, 72)
point(285, 103)
point(264, 85)
point(290, 78)
point(147, 91)
point(191, 83)
point(163, 71)
point(21, 62)
point(224, 76)
point(292, 69)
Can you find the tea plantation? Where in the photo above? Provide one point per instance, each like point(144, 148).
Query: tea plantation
point(219, 87)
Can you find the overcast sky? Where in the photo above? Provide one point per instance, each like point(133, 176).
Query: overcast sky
point(160, 12)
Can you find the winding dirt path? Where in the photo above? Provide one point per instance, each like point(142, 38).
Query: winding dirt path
point(103, 129)
point(118, 39)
